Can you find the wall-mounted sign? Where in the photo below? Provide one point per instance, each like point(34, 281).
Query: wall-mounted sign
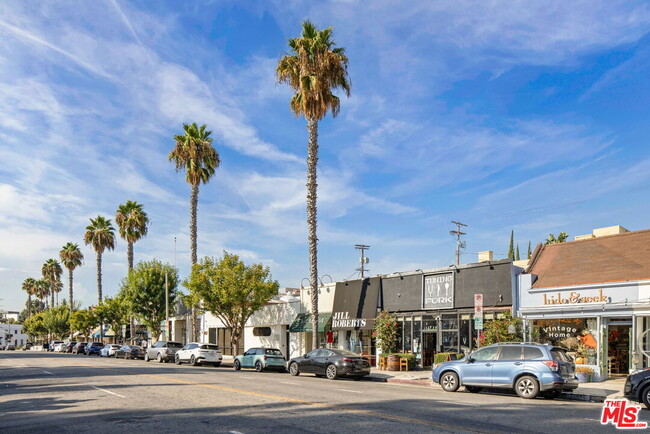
point(575, 298)
point(438, 291)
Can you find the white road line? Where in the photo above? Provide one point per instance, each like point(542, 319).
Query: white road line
point(350, 391)
point(47, 372)
point(236, 432)
point(288, 382)
point(107, 391)
point(594, 420)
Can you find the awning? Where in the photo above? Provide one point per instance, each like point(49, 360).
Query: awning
point(302, 322)
point(355, 304)
point(108, 332)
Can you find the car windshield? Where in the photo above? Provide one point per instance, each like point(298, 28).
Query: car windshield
point(209, 347)
point(346, 353)
point(174, 345)
point(273, 352)
point(560, 355)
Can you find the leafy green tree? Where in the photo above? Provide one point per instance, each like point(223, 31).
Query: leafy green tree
point(101, 235)
point(84, 321)
point(231, 290)
point(31, 307)
point(52, 272)
point(561, 238)
point(386, 332)
point(144, 291)
point(499, 330)
point(133, 224)
point(34, 326)
point(113, 311)
point(42, 291)
point(71, 258)
point(314, 69)
point(511, 249)
point(57, 320)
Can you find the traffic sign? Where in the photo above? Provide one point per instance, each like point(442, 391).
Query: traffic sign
point(478, 323)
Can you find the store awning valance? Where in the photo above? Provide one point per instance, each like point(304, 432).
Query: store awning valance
point(355, 304)
point(302, 322)
point(108, 332)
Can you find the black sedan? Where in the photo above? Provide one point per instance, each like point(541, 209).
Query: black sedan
point(330, 363)
point(129, 352)
point(637, 387)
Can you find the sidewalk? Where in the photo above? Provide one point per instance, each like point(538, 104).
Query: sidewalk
point(594, 392)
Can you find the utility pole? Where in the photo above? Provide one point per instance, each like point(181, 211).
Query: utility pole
point(364, 260)
point(169, 336)
point(459, 244)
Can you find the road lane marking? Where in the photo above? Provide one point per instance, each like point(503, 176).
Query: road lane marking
point(236, 432)
point(47, 372)
point(108, 391)
point(339, 408)
point(288, 382)
point(351, 391)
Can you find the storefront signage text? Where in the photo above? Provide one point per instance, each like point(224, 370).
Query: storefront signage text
point(438, 291)
point(343, 320)
point(575, 298)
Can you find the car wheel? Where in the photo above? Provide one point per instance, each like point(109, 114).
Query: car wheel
point(551, 394)
point(449, 382)
point(237, 365)
point(527, 387)
point(258, 366)
point(193, 360)
point(473, 389)
point(159, 358)
point(146, 357)
point(331, 372)
point(177, 360)
point(216, 365)
point(293, 369)
point(645, 396)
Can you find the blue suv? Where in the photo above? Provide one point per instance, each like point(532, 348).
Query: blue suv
point(529, 369)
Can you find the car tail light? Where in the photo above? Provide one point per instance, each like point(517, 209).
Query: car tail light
point(266, 357)
point(553, 364)
point(345, 359)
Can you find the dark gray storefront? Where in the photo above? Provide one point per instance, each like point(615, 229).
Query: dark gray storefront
point(435, 308)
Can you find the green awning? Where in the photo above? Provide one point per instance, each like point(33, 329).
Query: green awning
point(302, 322)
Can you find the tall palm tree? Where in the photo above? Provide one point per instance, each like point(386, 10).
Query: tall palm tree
point(133, 225)
point(101, 235)
point(52, 272)
point(195, 154)
point(71, 258)
point(29, 286)
point(42, 290)
point(314, 69)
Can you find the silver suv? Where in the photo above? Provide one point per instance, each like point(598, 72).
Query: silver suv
point(530, 369)
point(162, 351)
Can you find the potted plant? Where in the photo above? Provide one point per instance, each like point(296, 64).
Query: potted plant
point(584, 373)
point(582, 353)
point(386, 333)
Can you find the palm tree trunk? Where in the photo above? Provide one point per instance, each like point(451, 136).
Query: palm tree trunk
point(194, 203)
point(129, 255)
point(312, 162)
point(52, 293)
point(29, 305)
point(99, 277)
point(70, 289)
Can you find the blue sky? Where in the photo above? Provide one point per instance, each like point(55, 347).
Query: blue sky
point(520, 115)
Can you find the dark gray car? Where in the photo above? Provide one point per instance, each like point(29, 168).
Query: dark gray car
point(162, 351)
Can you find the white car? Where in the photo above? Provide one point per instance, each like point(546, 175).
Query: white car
point(58, 347)
point(53, 345)
point(195, 353)
point(109, 350)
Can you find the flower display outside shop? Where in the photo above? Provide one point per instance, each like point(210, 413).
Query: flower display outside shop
point(386, 332)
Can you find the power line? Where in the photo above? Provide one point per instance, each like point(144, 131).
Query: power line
point(459, 244)
point(363, 259)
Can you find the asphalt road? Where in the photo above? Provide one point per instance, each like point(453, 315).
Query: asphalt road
point(51, 392)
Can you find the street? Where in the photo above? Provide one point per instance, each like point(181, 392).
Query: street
point(51, 392)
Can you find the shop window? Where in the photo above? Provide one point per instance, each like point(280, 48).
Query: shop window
point(261, 331)
point(450, 322)
point(429, 323)
point(408, 340)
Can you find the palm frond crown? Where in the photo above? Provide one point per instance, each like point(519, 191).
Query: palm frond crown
point(132, 221)
point(71, 257)
point(195, 154)
point(100, 234)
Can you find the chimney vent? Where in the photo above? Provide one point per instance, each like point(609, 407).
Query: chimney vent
point(486, 256)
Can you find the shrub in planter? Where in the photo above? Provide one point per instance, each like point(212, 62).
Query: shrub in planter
point(441, 357)
point(409, 357)
point(386, 332)
point(584, 374)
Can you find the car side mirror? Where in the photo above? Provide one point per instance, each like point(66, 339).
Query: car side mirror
point(306, 356)
point(470, 360)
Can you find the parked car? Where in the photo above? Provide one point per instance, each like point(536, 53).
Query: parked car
point(129, 352)
point(261, 359)
point(69, 346)
point(53, 345)
point(330, 363)
point(197, 353)
point(162, 351)
point(11, 347)
point(28, 346)
point(109, 350)
point(79, 348)
point(529, 369)
point(637, 387)
point(60, 348)
point(93, 348)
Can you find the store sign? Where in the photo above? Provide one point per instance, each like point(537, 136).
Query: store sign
point(342, 320)
point(438, 291)
point(575, 298)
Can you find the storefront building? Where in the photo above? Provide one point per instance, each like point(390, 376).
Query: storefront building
point(435, 307)
point(592, 296)
point(269, 328)
point(301, 329)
